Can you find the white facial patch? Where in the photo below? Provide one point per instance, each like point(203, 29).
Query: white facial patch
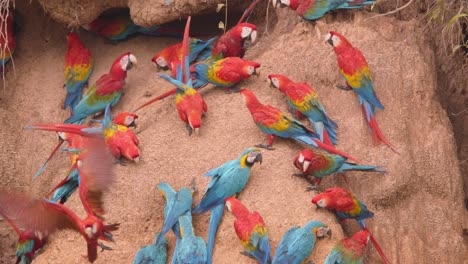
point(129, 120)
point(250, 70)
point(61, 135)
point(228, 206)
point(286, 2)
point(321, 203)
point(246, 31)
point(275, 83)
point(124, 62)
point(328, 37)
point(336, 41)
point(301, 158)
point(161, 62)
point(321, 231)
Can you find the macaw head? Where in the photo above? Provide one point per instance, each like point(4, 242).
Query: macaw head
point(73, 39)
point(278, 81)
point(236, 207)
point(251, 68)
point(246, 31)
point(249, 98)
point(250, 156)
point(319, 229)
point(322, 200)
point(162, 59)
point(125, 119)
point(337, 41)
point(124, 62)
point(362, 237)
point(293, 4)
point(304, 159)
point(93, 227)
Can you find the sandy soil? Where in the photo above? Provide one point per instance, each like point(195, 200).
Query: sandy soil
point(417, 204)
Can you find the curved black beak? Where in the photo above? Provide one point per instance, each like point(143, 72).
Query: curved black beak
point(330, 41)
point(259, 158)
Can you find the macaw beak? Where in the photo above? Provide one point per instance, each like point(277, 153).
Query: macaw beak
point(329, 233)
point(136, 160)
point(305, 165)
point(259, 158)
point(257, 72)
point(330, 41)
point(160, 68)
point(133, 124)
point(89, 232)
point(196, 131)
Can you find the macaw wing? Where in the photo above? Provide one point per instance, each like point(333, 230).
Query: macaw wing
point(221, 169)
point(167, 192)
point(96, 175)
point(344, 203)
point(334, 257)
point(107, 85)
point(297, 249)
point(37, 214)
point(282, 250)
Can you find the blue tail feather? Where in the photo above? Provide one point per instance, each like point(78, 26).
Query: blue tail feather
point(350, 167)
point(215, 219)
point(306, 140)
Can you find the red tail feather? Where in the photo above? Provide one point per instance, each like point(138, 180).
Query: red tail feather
point(378, 248)
point(160, 97)
point(377, 135)
point(326, 138)
point(248, 10)
point(67, 128)
point(17, 231)
point(333, 150)
point(185, 51)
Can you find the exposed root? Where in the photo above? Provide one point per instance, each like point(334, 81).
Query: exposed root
point(4, 47)
point(391, 12)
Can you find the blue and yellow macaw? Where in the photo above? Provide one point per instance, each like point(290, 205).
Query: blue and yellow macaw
point(227, 180)
point(154, 253)
point(192, 249)
point(177, 204)
point(297, 243)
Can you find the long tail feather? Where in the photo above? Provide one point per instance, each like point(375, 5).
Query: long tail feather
point(378, 248)
point(72, 99)
point(353, 167)
point(157, 98)
point(248, 11)
point(333, 150)
point(67, 128)
point(185, 52)
point(62, 182)
point(41, 170)
point(215, 219)
point(174, 256)
point(377, 135)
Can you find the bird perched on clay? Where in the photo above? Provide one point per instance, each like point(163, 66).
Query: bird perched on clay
point(304, 100)
point(315, 166)
point(298, 242)
point(355, 70)
point(347, 206)
point(315, 9)
point(227, 180)
point(251, 231)
point(273, 122)
point(78, 69)
point(349, 250)
point(106, 90)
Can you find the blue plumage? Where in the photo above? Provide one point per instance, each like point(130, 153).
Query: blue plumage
point(152, 254)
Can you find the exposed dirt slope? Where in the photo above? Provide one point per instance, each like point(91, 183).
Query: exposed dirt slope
point(417, 204)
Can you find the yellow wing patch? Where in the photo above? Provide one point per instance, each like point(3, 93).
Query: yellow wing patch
point(354, 80)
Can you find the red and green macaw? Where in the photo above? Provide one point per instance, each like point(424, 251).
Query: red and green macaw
point(44, 217)
point(171, 56)
point(232, 43)
point(251, 230)
point(315, 9)
point(315, 166)
point(349, 250)
point(119, 138)
point(29, 243)
point(118, 27)
point(273, 122)
point(346, 206)
point(304, 100)
point(78, 69)
point(106, 90)
point(8, 36)
point(224, 72)
point(189, 103)
point(354, 68)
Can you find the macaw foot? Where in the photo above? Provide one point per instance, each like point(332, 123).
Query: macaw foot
point(265, 146)
point(189, 129)
point(193, 186)
point(104, 247)
point(302, 175)
point(121, 161)
point(312, 188)
point(344, 87)
point(232, 90)
point(245, 253)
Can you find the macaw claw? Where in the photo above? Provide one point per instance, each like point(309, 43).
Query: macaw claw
point(121, 161)
point(104, 247)
point(299, 175)
point(193, 186)
point(312, 188)
point(245, 253)
point(233, 90)
point(265, 146)
point(344, 87)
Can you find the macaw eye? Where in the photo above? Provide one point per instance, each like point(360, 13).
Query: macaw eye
point(246, 32)
point(161, 62)
point(336, 41)
point(250, 70)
